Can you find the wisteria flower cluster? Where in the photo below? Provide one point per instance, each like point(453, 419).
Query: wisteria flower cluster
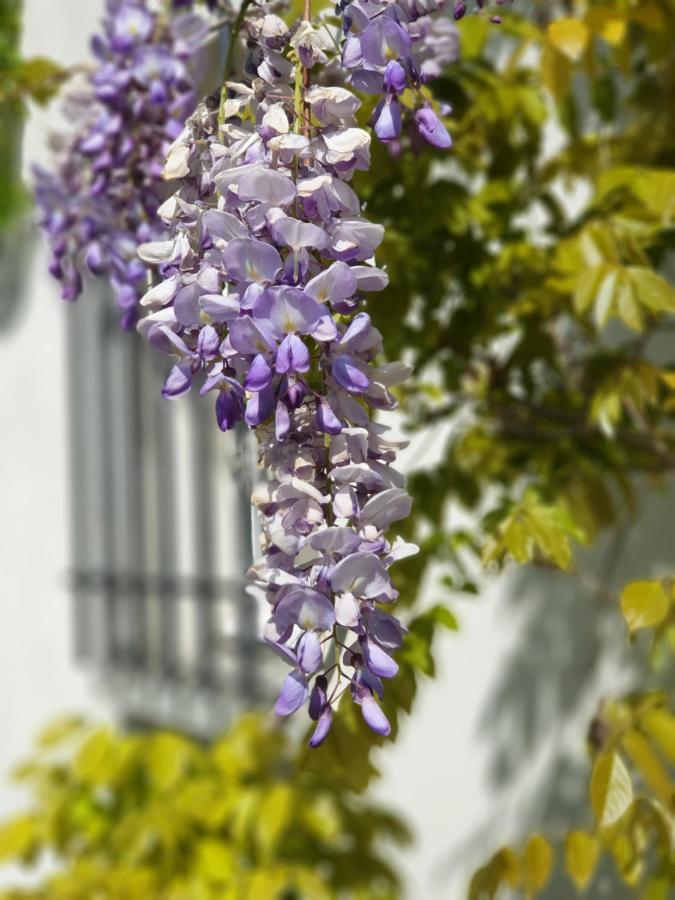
point(262, 262)
point(261, 297)
point(100, 202)
point(397, 46)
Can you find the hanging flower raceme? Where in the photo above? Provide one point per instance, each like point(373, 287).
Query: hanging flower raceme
point(394, 47)
point(260, 296)
point(100, 201)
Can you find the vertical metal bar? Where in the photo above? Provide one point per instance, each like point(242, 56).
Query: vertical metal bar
point(166, 534)
point(80, 534)
point(247, 619)
point(113, 643)
point(204, 556)
point(134, 550)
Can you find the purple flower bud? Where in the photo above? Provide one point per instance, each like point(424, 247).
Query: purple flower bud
point(349, 375)
point(327, 421)
point(178, 382)
point(459, 11)
point(95, 259)
point(229, 409)
point(293, 694)
point(259, 407)
point(395, 79)
point(309, 652)
point(208, 342)
point(292, 355)
point(387, 118)
point(432, 129)
point(259, 375)
point(322, 729)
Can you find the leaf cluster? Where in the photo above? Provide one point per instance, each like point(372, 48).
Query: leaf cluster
point(136, 816)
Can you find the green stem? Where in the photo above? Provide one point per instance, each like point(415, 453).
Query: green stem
point(234, 34)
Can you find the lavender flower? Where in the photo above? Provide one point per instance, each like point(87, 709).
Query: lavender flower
point(100, 201)
point(261, 298)
point(392, 46)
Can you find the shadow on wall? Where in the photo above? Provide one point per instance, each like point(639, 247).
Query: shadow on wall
point(571, 651)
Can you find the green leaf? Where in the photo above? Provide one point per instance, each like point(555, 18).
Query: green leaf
point(275, 814)
point(582, 851)
point(18, 838)
point(651, 290)
point(611, 789)
point(537, 863)
point(660, 726)
point(39, 77)
point(644, 604)
point(569, 36)
point(648, 765)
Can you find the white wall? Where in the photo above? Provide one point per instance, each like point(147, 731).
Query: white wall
point(463, 771)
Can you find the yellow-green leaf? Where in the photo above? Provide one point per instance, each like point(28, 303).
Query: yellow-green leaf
point(537, 863)
point(276, 810)
point(569, 36)
point(649, 765)
point(644, 604)
point(18, 838)
point(581, 857)
point(660, 726)
point(611, 789)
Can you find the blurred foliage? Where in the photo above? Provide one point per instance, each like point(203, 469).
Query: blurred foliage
point(631, 793)
point(529, 281)
point(160, 816)
point(530, 288)
point(37, 79)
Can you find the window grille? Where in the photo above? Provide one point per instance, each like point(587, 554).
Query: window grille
point(161, 535)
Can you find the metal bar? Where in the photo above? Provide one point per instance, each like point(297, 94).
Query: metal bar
point(135, 562)
point(168, 587)
point(83, 625)
point(247, 623)
point(113, 638)
point(204, 555)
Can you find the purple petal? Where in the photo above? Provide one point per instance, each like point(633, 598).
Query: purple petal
point(292, 355)
point(347, 611)
point(307, 608)
point(387, 119)
point(385, 629)
point(249, 260)
point(334, 284)
point(327, 421)
point(374, 717)
point(259, 375)
point(178, 382)
point(349, 375)
point(229, 409)
point(293, 694)
point(384, 38)
point(318, 698)
point(432, 129)
point(377, 660)
point(361, 574)
point(266, 186)
point(259, 407)
point(395, 78)
point(323, 726)
point(309, 652)
point(294, 233)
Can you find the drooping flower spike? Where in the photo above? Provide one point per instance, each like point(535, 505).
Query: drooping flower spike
point(261, 296)
point(100, 201)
